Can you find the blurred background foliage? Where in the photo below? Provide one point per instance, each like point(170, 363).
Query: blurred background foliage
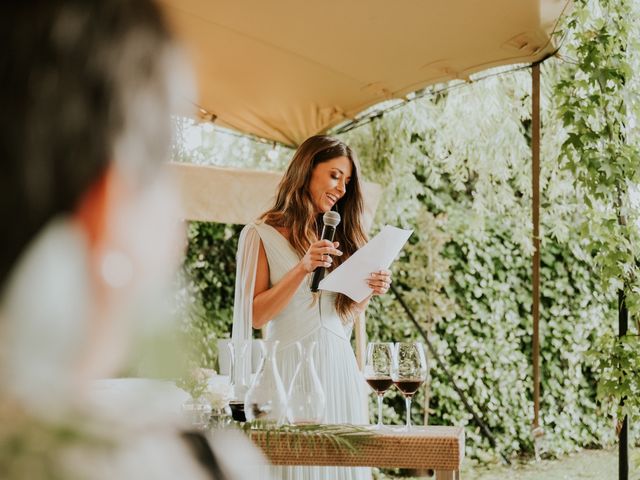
point(455, 165)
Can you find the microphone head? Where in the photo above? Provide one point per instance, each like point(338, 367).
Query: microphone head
point(331, 218)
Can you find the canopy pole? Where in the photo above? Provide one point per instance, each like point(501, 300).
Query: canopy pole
point(623, 445)
point(361, 340)
point(535, 209)
point(360, 326)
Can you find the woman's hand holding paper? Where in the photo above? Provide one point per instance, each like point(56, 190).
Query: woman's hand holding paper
point(380, 281)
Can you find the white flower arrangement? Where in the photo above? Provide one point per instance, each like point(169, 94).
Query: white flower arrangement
point(218, 395)
point(203, 375)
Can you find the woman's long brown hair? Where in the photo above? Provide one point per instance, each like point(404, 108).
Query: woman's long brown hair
point(294, 208)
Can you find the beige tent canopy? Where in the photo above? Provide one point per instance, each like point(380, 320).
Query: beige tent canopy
point(285, 70)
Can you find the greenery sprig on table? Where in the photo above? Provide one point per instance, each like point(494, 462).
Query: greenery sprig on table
point(343, 437)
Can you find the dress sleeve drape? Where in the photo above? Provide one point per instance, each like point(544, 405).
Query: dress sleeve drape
point(246, 266)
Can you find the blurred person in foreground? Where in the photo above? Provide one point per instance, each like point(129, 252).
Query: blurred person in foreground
point(90, 239)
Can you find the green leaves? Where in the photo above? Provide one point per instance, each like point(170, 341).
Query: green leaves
point(207, 287)
point(596, 110)
point(467, 270)
point(618, 363)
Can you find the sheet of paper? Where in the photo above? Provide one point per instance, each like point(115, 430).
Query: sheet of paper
point(350, 278)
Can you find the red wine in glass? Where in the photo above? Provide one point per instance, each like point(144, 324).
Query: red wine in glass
point(409, 386)
point(380, 384)
point(377, 372)
point(408, 372)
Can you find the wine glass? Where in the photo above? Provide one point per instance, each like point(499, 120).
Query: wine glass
point(409, 370)
point(377, 372)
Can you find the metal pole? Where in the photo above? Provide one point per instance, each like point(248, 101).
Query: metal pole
point(623, 445)
point(361, 340)
point(535, 208)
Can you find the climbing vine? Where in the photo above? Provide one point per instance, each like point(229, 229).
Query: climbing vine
point(596, 95)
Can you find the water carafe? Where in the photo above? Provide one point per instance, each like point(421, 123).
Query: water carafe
point(266, 398)
point(307, 402)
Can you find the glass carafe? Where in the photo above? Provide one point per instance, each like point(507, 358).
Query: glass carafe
point(266, 398)
point(239, 372)
point(307, 400)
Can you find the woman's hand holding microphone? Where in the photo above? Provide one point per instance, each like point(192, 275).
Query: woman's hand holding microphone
point(319, 255)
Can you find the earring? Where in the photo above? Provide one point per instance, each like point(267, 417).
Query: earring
point(116, 269)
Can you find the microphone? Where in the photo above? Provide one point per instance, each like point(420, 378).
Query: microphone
point(330, 221)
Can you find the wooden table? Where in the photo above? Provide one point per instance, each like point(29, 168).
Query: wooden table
point(434, 447)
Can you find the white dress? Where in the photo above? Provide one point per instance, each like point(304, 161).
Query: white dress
point(303, 319)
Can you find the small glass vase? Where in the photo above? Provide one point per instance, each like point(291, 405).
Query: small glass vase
point(306, 402)
point(266, 398)
point(197, 412)
point(220, 417)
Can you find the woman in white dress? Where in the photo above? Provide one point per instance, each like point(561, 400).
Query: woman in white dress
point(277, 253)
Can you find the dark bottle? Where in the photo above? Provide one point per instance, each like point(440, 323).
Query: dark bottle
point(237, 411)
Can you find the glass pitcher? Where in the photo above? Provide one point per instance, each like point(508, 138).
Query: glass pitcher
point(307, 400)
point(266, 398)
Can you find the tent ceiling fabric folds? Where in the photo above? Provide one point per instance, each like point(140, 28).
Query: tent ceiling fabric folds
point(285, 70)
point(205, 193)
